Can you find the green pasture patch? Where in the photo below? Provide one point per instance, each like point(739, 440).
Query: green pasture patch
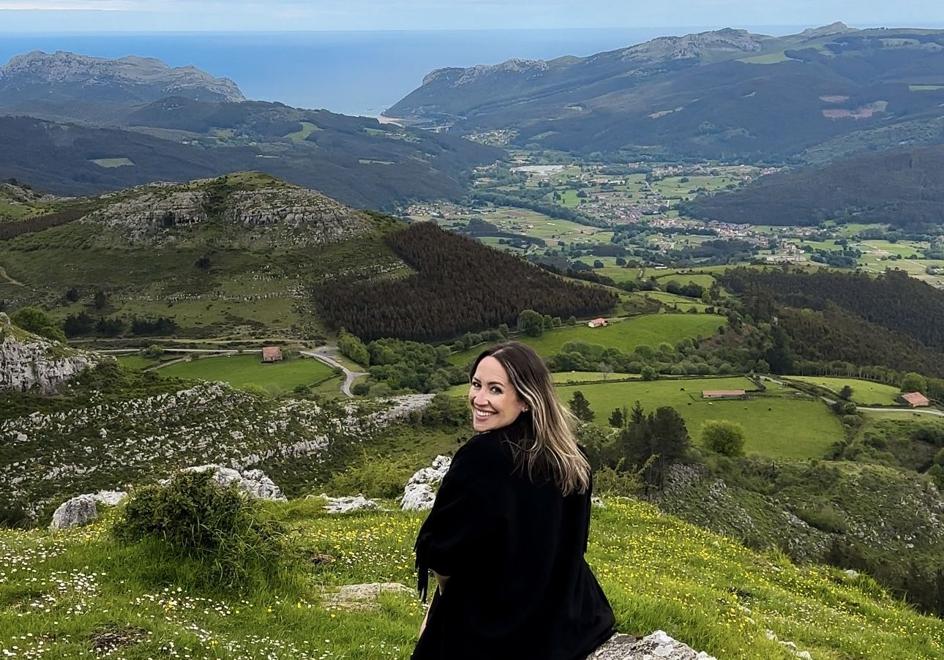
point(924, 88)
point(137, 361)
point(701, 279)
point(864, 392)
point(110, 163)
point(302, 134)
point(625, 334)
point(767, 58)
point(248, 369)
point(672, 300)
point(778, 424)
point(572, 377)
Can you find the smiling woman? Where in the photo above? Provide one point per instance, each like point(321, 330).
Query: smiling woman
point(507, 534)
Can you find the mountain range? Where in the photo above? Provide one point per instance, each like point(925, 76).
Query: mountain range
point(79, 125)
point(727, 94)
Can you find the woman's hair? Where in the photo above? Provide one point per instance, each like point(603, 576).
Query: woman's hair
point(546, 422)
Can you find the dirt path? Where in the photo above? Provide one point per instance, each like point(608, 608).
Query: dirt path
point(9, 280)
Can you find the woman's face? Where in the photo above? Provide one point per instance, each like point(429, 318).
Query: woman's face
point(495, 403)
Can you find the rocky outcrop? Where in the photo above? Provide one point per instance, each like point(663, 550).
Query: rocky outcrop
point(62, 75)
point(83, 509)
point(277, 214)
point(657, 646)
point(28, 361)
point(253, 482)
point(419, 493)
point(348, 504)
point(362, 596)
point(695, 46)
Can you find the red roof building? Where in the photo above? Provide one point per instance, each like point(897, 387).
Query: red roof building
point(915, 400)
point(597, 323)
point(271, 354)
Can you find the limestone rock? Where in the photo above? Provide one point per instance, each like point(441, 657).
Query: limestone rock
point(657, 646)
point(348, 504)
point(83, 509)
point(28, 361)
point(254, 482)
point(418, 495)
point(363, 596)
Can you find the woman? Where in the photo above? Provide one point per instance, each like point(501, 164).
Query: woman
point(506, 536)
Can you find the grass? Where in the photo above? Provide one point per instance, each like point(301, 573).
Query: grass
point(625, 334)
point(110, 163)
point(769, 58)
point(777, 424)
point(924, 88)
point(864, 392)
point(302, 134)
point(138, 362)
point(243, 370)
point(61, 592)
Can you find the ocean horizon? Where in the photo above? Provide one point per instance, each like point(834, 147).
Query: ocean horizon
point(351, 72)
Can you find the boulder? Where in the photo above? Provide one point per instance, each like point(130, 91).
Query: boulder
point(363, 596)
point(348, 504)
point(28, 361)
point(657, 646)
point(419, 493)
point(83, 509)
point(254, 482)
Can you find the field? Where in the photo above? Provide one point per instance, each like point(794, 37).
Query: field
point(243, 370)
point(75, 593)
point(864, 392)
point(779, 423)
point(624, 334)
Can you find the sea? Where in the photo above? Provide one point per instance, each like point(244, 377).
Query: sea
point(353, 73)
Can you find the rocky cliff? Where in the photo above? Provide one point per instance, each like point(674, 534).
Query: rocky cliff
point(62, 75)
point(28, 361)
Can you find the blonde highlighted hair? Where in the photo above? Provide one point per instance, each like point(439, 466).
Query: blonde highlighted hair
point(548, 427)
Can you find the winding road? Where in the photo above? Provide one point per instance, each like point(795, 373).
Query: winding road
point(326, 354)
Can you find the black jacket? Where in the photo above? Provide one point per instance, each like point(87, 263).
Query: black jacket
point(519, 586)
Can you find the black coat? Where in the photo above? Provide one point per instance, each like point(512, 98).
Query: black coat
point(519, 586)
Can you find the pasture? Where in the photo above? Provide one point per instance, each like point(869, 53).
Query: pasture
point(622, 333)
point(248, 370)
point(779, 423)
point(864, 392)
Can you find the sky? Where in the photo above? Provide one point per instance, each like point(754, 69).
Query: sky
point(57, 16)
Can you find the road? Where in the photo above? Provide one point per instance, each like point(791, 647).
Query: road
point(325, 354)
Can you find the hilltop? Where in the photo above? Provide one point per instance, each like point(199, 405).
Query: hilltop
point(726, 94)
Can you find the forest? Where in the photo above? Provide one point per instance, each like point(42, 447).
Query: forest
point(459, 285)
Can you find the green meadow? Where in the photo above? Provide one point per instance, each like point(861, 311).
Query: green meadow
point(625, 334)
point(248, 370)
point(79, 593)
point(779, 423)
point(864, 392)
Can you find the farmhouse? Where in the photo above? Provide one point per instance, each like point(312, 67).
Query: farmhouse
point(723, 394)
point(271, 354)
point(597, 323)
point(915, 400)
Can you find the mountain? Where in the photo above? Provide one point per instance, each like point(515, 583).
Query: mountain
point(78, 125)
point(902, 187)
point(65, 85)
point(721, 94)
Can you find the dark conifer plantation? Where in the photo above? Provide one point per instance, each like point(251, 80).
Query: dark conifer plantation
point(459, 285)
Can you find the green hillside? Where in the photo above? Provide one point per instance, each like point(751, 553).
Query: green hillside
point(622, 333)
point(79, 593)
point(242, 370)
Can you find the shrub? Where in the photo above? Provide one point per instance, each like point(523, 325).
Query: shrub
point(372, 477)
point(723, 437)
point(617, 482)
point(197, 519)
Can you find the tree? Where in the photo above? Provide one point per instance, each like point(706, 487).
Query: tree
point(723, 437)
point(649, 373)
point(352, 347)
point(778, 356)
point(100, 299)
point(618, 419)
point(72, 295)
point(654, 442)
point(845, 392)
point(531, 323)
point(35, 320)
point(914, 382)
point(580, 407)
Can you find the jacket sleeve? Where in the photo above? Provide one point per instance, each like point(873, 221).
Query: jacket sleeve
point(454, 539)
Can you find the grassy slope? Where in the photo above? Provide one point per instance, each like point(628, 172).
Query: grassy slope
point(625, 334)
point(242, 370)
point(864, 392)
point(58, 592)
point(777, 424)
